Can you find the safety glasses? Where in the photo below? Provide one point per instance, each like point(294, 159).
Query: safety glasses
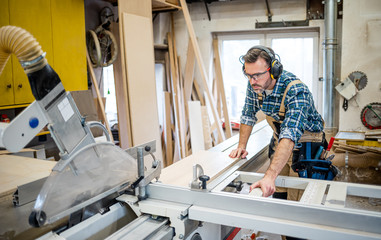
point(256, 76)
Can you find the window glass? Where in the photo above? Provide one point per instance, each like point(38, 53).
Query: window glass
point(296, 56)
point(234, 81)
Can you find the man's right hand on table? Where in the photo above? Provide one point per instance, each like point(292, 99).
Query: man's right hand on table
point(239, 152)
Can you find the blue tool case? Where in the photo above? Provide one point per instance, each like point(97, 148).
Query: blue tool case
point(307, 163)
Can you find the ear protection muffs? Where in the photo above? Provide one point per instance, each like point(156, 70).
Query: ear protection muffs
point(276, 66)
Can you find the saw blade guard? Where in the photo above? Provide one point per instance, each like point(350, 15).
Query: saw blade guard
point(96, 171)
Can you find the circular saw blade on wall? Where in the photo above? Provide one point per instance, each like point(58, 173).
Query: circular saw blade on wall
point(371, 116)
point(359, 79)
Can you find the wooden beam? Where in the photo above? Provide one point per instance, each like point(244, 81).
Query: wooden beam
point(189, 72)
point(167, 130)
point(221, 88)
point(201, 66)
point(199, 95)
point(124, 124)
point(206, 128)
point(183, 115)
point(174, 84)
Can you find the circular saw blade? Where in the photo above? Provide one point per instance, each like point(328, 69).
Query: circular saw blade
point(371, 116)
point(359, 79)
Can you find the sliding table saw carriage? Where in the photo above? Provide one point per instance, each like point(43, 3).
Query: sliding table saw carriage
point(133, 200)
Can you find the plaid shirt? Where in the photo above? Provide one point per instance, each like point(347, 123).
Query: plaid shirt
point(301, 113)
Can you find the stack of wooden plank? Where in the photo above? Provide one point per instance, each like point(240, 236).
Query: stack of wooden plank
point(373, 135)
point(189, 127)
point(356, 142)
point(136, 93)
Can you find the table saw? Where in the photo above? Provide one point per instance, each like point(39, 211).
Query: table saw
point(99, 191)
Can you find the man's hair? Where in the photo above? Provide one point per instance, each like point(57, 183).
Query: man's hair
point(253, 53)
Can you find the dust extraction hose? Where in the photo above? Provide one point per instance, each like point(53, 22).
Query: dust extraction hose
point(42, 77)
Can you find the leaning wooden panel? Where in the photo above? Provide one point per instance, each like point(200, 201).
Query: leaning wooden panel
point(181, 172)
point(189, 72)
point(175, 99)
point(196, 126)
point(140, 69)
point(124, 125)
point(168, 131)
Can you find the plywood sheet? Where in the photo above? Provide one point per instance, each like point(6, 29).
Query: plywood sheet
point(16, 171)
point(124, 124)
point(140, 67)
point(181, 172)
point(196, 126)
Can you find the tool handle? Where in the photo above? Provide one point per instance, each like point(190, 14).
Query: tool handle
point(320, 150)
point(330, 144)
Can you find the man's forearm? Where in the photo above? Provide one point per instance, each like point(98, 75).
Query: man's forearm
point(244, 134)
point(282, 154)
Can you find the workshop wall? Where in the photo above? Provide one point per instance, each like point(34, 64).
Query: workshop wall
point(361, 52)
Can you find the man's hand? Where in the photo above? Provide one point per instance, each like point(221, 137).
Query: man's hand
point(244, 134)
point(267, 186)
point(282, 154)
point(239, 152)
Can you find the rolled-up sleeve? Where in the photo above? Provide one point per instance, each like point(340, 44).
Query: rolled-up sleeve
point(250, 108)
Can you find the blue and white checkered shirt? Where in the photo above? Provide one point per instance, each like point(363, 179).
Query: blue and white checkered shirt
point(301, 113)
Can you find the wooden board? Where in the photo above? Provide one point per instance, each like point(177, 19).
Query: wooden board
point(124, 123)
point(168, 131)
point(208, 143)
point(162, 5)
point(141, 85)
point(189, 72)
point(16, 171)
point(373, 133)
point(196, 126)
point(181, 172)
point(354, 136)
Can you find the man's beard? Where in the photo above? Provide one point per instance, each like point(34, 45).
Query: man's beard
point(261, 88)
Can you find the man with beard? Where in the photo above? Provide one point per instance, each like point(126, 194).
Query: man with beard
point(289, 109)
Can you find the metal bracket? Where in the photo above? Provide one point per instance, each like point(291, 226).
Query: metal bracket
point(134, 152)
point(138, 153)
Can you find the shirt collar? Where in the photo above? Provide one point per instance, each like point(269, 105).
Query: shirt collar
point(280, 85)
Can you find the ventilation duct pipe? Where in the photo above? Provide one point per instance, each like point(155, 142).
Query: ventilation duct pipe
point(42, 77)
point(329, 68)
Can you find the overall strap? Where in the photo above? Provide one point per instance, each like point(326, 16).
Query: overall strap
point(282, 111)
point(260, 99)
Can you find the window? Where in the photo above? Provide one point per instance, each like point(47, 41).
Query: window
point(297, 52)
point(234, 81)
